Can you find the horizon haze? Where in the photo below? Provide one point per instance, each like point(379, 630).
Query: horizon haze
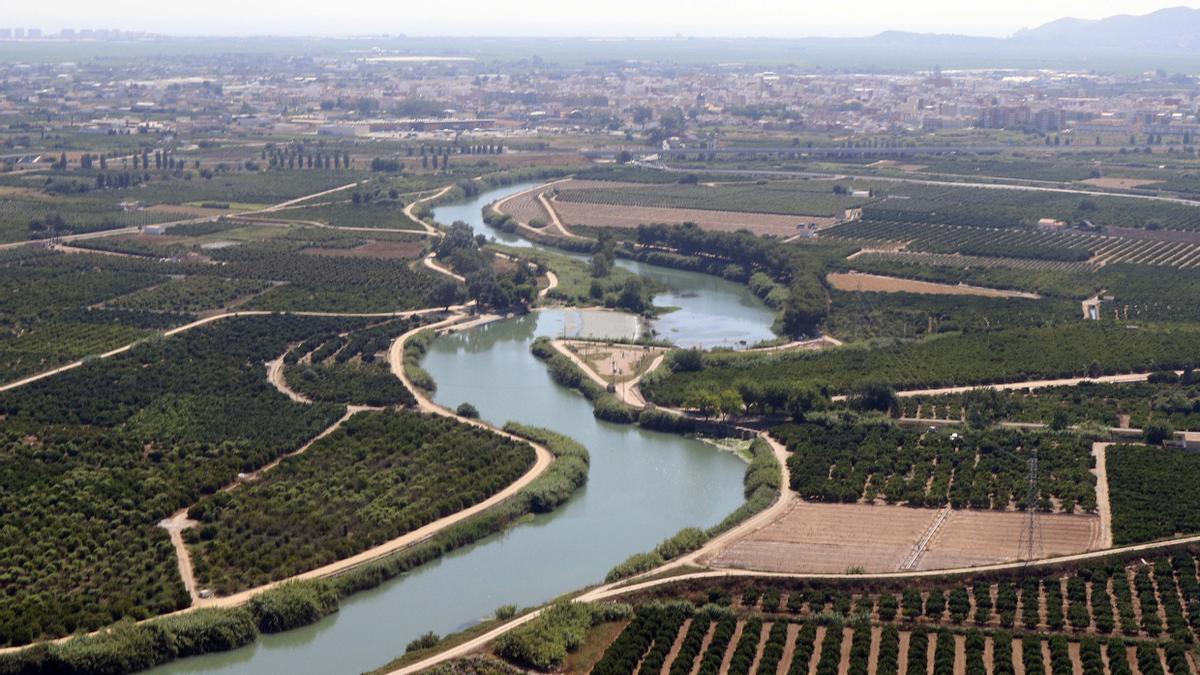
point(542, 18)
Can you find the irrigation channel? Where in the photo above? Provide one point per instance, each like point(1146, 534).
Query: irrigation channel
point(643, 486)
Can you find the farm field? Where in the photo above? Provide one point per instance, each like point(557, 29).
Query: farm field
point(881, 284)
point(1153, 492)
point(382, 215)
point(1008, 208)
point(384, 250)
point(1131, 404)
point(190, 294)
point(789, 198)
point(380, 475)
point(1119, 615)
point(96, 457)
point(957, 360)
point(526, 207)
point(836, 538)
point(623, 216)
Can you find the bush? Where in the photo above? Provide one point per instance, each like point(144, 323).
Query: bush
point(467, 410)
point(205, 631)
point(293, 604)
point(544, 642)
point(660, 420)
point(634, 565)
point(428, 640)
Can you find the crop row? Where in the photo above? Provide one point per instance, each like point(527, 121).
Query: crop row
point(759, 644)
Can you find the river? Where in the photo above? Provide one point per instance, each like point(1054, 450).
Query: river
point(643, 486)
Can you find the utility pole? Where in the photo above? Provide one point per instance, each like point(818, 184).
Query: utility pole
point(1030, 543)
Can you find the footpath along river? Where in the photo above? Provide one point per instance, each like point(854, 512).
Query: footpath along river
point(643, 486)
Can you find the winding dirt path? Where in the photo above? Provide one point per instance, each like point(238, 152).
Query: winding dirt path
point(408, 210)
point(551, 284)
point(442, 269)
point(554, 219)
point(277, 379)
point(178, 522)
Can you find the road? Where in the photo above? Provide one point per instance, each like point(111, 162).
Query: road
point(408, 210)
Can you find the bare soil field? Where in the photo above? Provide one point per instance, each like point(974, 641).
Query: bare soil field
point(386, 250)
point(969, 538)
point(832, 538)
point(856, 281)
point(1119, 183)
point(610, 215)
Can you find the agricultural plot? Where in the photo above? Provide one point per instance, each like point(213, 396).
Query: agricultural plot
point(380, 475)
point(93, 459)
point(526, 208)
point(350, 368)
point(24, 218)
point(190, 294)
point(1130, 404)
point(1007, 208)
point(789, 198)
point(872, 283)
point(383, 215)
point(976, 241)
point(1153, 492)
point(43, 301)
point(621, 216)
point(868, 259)
point(1009, 355)
point(326, 283)
point(1000, 624)
point(885, 464)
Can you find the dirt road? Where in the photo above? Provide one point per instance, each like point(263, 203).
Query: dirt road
point(441, 269)
point(408, 210)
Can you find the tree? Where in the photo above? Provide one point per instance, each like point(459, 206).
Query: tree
point(873, 395)
point(687, 361)
point(804, 399)
point(1156, 433)
point(446, 293)
point(631, 295)
point(730, 403)
point(704, 401)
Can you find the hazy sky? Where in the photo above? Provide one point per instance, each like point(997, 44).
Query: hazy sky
point(776, 18)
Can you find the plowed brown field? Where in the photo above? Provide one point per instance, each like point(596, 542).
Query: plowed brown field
point(832, 538)
point(612, 215)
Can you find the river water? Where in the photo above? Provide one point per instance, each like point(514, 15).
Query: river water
point(643, 486)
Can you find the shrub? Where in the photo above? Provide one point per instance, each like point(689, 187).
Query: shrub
point(428, 640)
point(293, 604)
point(544, 642)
